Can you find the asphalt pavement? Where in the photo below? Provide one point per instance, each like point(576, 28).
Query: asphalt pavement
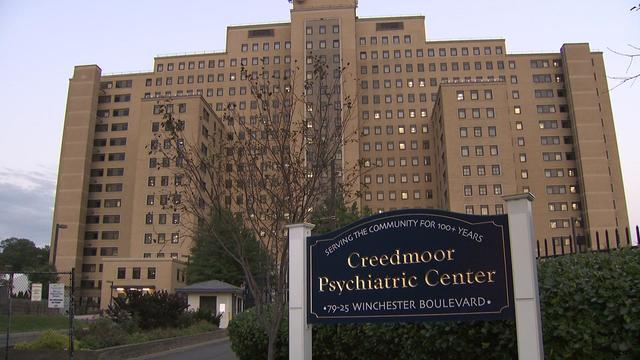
point(213, 350)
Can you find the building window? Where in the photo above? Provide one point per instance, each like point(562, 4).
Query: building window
point(151, 272)
point(122, 273)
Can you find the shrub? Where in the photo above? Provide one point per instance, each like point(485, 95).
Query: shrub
point(49, 340)
point(150, 310)
point(207, 315)
point(589, 311)
point(249, 340)
point(102, 333)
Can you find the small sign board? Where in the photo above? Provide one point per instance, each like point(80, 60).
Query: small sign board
point(56, 295)
point(36, 292)
point(411, 265)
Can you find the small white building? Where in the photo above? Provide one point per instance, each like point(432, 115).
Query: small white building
point(216, 296)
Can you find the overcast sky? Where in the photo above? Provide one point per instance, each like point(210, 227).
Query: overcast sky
point(41, 41)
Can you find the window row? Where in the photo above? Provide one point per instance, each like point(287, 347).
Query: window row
point(420, 67)
point(388, 114)
point(106, 235)
point(120, 84)
point(322, 44)
point(373, 40)
point(111, 157)
point(482, 189)
point(535, 64)
point(476, 113)
point(162, 218)
point(477, 131)
point(114, 127)
point(474, 94)
point(389, 130)
point(110, 172)
point(121, 141)
point(481, 170)
point(161, 238)
point(391, 178)
point(155, 163)
point(107, 203)
point(117, 187)
point(164, 180)
point(564, 206)
point(486, 50)
point(465, 151)
point(391, 145)
point(483, 209)
point(265, 47)
point(135, 273)
point(164, 199)
point(105, 99)
point(106, 219)
point(402, 195)
point(104, 251)
point(403, 161)
point(561, 189)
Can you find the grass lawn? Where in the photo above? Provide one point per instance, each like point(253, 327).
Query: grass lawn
point(23, 323)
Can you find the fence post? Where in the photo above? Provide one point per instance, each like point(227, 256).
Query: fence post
point(617, 239)
point(538, 248)
point(606, 236)
point(571, 238)
point(546, 248)
point(300, 332)
point(9, 291)
point(598, 241)
point(525, 277)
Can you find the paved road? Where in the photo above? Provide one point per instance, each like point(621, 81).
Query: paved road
point(212, 350)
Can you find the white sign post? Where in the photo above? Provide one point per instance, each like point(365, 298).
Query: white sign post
point(56, 296)
point(299, 330)
point(525, 277)
point(36, 292)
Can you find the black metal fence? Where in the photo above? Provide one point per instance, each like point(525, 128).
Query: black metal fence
point(34, 302)
point(600, 241)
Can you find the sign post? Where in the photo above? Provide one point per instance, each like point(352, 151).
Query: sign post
point(525, 275)
point(299, 329)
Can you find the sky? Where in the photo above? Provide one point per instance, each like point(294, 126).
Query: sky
point(42, 40)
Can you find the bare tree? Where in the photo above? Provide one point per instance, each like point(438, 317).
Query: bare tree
point(271, 165)
point(633, 53)
point(631, 56)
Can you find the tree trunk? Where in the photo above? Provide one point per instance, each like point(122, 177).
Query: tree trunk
point(270, 346)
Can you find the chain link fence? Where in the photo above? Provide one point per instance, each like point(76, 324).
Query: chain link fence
point(32, 303)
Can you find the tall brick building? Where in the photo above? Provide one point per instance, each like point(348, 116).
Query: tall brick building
point(441, 124)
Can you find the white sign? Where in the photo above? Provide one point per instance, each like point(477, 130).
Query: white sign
point(222, 308)
point(56, 295)
point(36, 292)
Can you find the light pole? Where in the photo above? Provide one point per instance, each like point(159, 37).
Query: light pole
point(55, 243)
point(110, 292)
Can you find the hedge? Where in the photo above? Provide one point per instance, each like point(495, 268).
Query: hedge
point(590, 310)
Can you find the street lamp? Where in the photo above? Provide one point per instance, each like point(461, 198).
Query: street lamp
point(55, 243)
point(110, 292)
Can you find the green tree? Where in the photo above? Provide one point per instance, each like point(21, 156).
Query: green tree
point(334, 214)
point(23, 255)
point(210, 258)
